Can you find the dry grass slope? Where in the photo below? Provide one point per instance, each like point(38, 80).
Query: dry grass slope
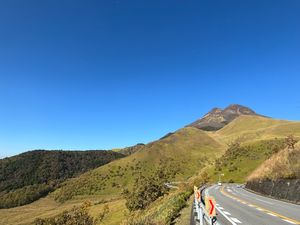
point(284, 164)
point(253, 128)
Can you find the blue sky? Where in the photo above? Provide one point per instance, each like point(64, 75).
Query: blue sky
point(104, 74)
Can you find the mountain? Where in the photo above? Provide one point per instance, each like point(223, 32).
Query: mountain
point(38, 172)
point(218, 118)
point(236, 149)
point(188, 149)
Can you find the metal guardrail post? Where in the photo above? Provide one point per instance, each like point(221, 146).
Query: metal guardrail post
point(201, 214)
point(199, 211)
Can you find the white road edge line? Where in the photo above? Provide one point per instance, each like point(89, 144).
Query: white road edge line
point(269, 213)
point(229, 219)
point(235, 220)
point(227, 213)
point(288, 221)
point(233, 223)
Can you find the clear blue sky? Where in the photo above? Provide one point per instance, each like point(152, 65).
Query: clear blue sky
point(112, 73)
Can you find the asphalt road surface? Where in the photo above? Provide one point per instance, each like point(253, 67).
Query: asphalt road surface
point(236, 206)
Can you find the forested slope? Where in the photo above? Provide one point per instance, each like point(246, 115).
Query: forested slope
point(31, 175)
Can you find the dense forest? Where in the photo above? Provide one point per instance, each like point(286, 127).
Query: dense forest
point(27, 177)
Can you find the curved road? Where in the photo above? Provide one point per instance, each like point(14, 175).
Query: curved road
point(236, 206)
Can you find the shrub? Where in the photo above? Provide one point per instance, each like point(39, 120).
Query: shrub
point(75, 216)
point(147, 189)
point(163, 213)
point(102, 214)
point(175, 204)
point(290, 142)
point(133, 220)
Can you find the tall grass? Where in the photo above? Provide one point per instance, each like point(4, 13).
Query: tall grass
point(284, 164)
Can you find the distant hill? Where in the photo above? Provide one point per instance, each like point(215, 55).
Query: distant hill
point(130, 150)
point(217, 118)
point(41, 171)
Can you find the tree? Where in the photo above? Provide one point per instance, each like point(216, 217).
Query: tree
point(146, 189)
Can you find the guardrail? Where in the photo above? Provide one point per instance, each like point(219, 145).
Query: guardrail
point(203, 216)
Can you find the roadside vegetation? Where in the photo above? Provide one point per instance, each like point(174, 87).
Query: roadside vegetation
point(241, 159)
point(283, 165)
point(149, 201)
point(166, 208)
point(146, 189)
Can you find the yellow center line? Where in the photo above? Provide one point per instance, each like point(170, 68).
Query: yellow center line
point(265, 210)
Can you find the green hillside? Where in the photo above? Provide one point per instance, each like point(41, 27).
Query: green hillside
point(26, 177)
point(250, 140)
point(283, 165)
point(241, 159)
point(236, 151)
point(189, 150)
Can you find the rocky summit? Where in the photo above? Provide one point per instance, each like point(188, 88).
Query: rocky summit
point(218, 118)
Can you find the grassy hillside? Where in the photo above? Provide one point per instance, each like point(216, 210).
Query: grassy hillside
point(48, 207)
point(251, 128)
point(259, 138)
point(284, 164)
point(188, 150)
point(240, 160)
point(31, 175)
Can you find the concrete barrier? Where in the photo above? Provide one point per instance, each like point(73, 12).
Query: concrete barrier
point(285, 189)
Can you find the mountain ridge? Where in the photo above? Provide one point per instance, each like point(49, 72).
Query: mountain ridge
point(217, 118)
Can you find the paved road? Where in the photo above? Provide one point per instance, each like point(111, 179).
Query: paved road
point(236, 206)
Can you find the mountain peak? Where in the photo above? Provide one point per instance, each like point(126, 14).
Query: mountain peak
point(218, 118)
point(239, 109)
